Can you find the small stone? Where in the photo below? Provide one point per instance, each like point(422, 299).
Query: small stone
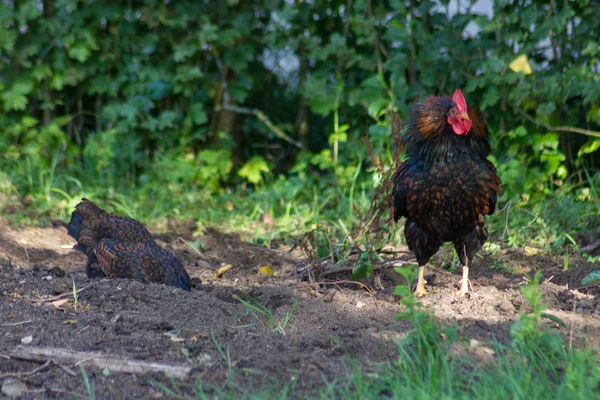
point(57, 272)
point(196, 283)
point(27, 339)
point(13, 388)
point(506, 306)
point(62, 285)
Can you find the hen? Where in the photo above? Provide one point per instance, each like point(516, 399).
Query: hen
point(446, 186)
point(121, 247)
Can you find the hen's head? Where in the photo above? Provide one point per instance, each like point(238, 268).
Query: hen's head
point(457, 115)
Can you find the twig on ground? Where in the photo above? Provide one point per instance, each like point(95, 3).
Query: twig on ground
point(59, 297)
point(18, 323)
point(114, 364)
point(383, 265)
point(368, 289)
point(28, 373)
point(281, 252)
point(441, 271)
point(189, 245)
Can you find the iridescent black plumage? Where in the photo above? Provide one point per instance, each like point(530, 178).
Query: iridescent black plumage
point(122, 247)
point(446, 186)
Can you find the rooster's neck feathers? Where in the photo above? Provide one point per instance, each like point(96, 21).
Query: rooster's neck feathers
point(430, 137)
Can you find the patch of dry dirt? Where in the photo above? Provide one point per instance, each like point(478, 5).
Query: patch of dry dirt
point(156, 323)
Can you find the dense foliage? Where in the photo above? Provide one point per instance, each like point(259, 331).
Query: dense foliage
point(200, 97)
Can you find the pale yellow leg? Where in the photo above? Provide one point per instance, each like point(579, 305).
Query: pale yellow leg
point(420, 290)
point(464, 282)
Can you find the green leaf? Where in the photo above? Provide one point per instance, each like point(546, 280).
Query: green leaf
point(14, 101)
point(253, 169)
point(362, 269)
point(159, 90)
point(401, 291)
point(319, 96)
point(79, 52)
point(166, 119)
point(16, 97)
point(406, 271)
point(594, 115)
point(377, 107)
point(589, 147)
point(58, 81)
point(41, 72)
point(341, 137)
point(490, 98)
point(199, 116)
point(554, 318)
point(592, 49)
point(591, 277)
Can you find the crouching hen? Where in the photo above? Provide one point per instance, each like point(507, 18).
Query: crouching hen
point(121, 247)
point(446, 186)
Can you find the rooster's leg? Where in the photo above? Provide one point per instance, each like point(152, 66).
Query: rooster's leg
point(464, 282)
point(420, 290)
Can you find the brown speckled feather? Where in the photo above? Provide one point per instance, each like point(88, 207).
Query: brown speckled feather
point(122, 247)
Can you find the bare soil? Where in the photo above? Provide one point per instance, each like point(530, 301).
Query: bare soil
point(129, 320)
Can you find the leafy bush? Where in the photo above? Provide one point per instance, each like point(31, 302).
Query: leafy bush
point(185, 95)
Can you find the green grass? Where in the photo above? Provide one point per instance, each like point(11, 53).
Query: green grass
point(523, 374)
point(89, 385)
point(295, 206)
point(266, 318)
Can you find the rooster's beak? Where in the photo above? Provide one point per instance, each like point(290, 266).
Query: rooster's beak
point(464, 116)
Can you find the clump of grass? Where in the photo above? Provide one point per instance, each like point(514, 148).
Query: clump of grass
point(265, 316)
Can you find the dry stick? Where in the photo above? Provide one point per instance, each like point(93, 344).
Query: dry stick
point(59, 297)
point(441, 271)
point(29, 373)
point(189, 245)
point(368, 289)
point(18, 323)
point(591, 248)
point(114, 364)
point(282, 252)
point(383, 265)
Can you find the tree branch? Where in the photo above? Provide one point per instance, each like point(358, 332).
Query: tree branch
point(248, 111)
point(573, 129)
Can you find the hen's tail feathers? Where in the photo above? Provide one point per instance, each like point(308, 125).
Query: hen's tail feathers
point(178, 277)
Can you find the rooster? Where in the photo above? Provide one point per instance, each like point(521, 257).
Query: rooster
point(446, 186)
point(122, 247)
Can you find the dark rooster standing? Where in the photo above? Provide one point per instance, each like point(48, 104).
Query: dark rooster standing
point(121, 247)
point(446, 186)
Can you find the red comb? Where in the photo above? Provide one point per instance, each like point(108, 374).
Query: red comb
point(459, 100)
